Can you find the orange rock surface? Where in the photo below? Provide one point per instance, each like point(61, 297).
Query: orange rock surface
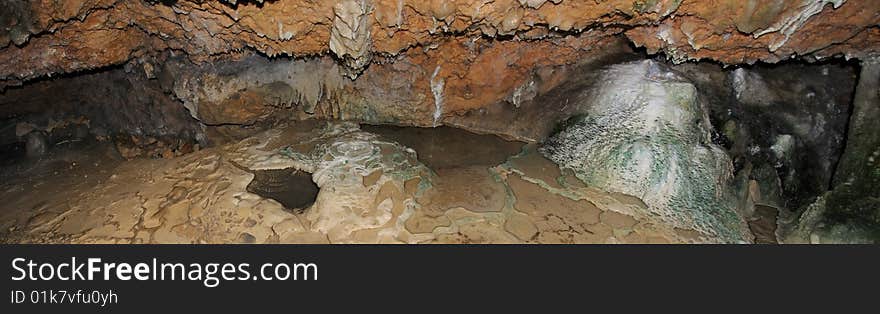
point(480, 49)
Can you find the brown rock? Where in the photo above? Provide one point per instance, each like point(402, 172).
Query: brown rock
point(50, 38)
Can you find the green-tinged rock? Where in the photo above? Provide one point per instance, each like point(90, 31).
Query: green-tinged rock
point(645, 134)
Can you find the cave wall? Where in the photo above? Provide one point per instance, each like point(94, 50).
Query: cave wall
point(856, 195)
point(499, 90)
point(424, 62)
point(786, 121)
point(120, 104)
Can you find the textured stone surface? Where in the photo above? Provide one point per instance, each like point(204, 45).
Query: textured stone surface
point(850, 212)
point(44, 37)
point(488, 66)
point(507, 76)
point(116, 100)
point(511, 67)
point(202, 198)
point(783, 125)
point(645, 132)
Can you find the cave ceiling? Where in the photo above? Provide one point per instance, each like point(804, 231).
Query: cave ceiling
point(42, 38)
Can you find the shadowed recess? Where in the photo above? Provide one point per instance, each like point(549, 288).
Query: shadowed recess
point(292, 188)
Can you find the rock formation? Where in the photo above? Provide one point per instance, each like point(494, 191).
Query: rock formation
point(470, 41)
point(713, 113)
point(645, 133)
point(850, 211)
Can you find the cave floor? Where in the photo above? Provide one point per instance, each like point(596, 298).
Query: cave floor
point(446, 188)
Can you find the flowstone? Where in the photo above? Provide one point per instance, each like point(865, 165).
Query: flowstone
point(643, 132)
point(350, 207)
point(372, 190)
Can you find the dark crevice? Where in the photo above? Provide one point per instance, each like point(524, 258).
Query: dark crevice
point(845, 140)
point(292, 188)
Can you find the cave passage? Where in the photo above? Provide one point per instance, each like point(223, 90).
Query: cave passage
point(628, 148)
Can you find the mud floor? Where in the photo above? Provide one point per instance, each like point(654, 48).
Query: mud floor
point(388, 185)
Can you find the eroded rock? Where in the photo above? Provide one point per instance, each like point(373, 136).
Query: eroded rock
point(645, 133)
point(350, 37)
point(850, 211)
point(99, 33)
point(372, 191)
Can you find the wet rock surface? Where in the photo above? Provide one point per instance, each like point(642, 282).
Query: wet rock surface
point(645, 133)
point(783, 127)
point(222, 96)
point(371, 191)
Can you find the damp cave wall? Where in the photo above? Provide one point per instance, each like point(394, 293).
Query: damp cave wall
point(751, 107)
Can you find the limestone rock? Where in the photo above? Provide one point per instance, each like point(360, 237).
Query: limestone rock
point(350, 37)
point(644, 133)
point(345, 209)
point(40, 38)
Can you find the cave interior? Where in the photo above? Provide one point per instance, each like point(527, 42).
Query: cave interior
point(379, 121)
